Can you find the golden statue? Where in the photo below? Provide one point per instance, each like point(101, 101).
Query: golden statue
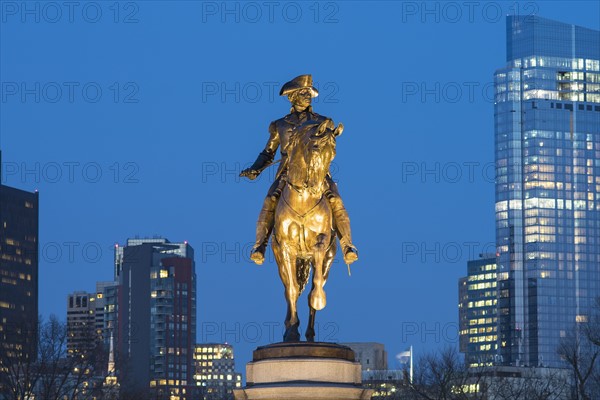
point(303, 206)
point(300, 93)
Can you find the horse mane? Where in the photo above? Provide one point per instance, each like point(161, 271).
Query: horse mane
point(295, 176)
point(305, 167)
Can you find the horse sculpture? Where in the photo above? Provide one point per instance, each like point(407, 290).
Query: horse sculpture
point(303, 231)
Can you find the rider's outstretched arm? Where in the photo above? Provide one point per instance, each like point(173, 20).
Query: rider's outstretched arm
point(265, 158)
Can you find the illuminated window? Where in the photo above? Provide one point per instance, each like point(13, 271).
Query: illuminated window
point(581, 318)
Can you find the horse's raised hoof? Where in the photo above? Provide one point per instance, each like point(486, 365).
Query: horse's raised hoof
point(350, 254)
point(318, 299)
point(291, 334)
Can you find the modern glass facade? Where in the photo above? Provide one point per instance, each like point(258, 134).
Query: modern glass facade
point(215, 375)
point(547, 151)
point(477, 308)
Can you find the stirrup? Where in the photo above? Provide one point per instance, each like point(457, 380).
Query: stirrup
point(350, 253)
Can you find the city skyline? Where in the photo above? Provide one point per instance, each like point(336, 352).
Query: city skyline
point(86, 217)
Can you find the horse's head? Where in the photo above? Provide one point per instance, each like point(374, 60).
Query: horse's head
point(313, 149)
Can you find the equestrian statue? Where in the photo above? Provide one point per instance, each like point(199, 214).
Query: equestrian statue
point(303, 208)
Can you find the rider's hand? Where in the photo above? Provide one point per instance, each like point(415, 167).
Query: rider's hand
point(250, 173)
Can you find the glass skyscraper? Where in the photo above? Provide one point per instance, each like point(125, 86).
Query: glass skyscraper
point(547, 151)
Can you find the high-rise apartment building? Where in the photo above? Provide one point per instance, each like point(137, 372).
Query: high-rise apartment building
point(477, 311)
point(547, 153)
point(18, 272)
point(215, 377)
point(156, 317)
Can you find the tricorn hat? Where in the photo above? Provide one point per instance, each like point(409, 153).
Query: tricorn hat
point(299, 82)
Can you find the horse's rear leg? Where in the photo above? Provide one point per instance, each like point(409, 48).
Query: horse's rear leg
point(285, 256)
point(329, 257)
point(317, 299)
point(310, 329)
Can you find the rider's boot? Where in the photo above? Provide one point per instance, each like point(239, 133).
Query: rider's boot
point(264, 226)
point(342, 227)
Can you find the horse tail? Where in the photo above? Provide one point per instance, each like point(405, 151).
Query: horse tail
point(302, 272)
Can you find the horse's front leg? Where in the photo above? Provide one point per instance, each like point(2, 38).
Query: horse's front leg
point(317, 299)
point(285, 255)
point(328, 260)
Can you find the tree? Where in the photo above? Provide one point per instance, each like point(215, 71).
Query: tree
point(528, 384)
point(388, 385)
point(581, 351)
point(54, 375)
point(444, 376)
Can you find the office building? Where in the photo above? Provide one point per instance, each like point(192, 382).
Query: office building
point(215, 377)
point(90, 318)
point(463, 322)
point(477, 307)
point(387, 384)
point(547, 154)
point(81, 323)
point(370, 355)
point(18, 273)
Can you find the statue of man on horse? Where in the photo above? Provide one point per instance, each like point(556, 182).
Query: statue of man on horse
point(303, 207)
point(300, 92)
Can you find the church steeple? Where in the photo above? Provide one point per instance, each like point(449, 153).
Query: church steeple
point(111, 356)
point(111, 385)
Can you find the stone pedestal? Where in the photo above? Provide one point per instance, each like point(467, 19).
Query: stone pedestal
point(303, 370)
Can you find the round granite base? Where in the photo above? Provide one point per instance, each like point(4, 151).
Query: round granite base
point(304, 350)
point(303, 370)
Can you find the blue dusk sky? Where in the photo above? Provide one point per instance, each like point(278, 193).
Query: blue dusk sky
point(135, 118)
